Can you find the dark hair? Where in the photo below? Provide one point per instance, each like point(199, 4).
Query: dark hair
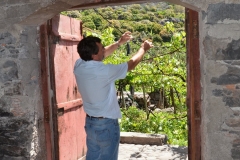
point(88, 47)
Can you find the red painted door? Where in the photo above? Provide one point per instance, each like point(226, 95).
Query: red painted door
point(68, 115)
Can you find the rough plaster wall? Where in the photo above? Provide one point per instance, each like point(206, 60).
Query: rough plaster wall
point(220, 64)
point(21, 116)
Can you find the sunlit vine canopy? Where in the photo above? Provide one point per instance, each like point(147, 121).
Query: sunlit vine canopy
point(164, 67)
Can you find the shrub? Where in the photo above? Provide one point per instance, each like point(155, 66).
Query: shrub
point(90, 25)
point(173, 125)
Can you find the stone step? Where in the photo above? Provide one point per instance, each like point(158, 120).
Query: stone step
point(142, 138)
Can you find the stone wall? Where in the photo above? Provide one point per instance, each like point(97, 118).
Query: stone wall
point(220, 80)
point(21, 116)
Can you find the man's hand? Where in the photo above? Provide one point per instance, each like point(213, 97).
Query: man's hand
point(146, 45)
point(133, 62)
point(125, 37)
point(111, 48)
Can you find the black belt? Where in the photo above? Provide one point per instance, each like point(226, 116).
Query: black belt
point(94, 117)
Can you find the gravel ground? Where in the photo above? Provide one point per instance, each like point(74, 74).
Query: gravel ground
point(152, 152)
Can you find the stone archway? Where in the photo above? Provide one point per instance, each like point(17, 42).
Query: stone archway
point(20, 72)
point(50, 10)
point(194, 132)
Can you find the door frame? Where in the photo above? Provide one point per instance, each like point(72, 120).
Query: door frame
point(193, 84)
point(49, 122)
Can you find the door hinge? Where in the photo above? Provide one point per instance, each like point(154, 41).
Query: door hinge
point(55, 39)
point(60, 111)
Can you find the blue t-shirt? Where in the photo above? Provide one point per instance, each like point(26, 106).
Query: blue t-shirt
point(96, 84)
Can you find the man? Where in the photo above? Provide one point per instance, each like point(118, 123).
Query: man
point(96, 83)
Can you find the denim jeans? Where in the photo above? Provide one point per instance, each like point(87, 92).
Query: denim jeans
point(103, 137)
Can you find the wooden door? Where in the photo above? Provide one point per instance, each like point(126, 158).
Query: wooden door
point(65, 112)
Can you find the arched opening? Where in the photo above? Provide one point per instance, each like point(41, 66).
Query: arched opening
point(193, 69)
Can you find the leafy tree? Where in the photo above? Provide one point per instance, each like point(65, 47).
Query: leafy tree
point(173, 125)
point(87, 18)
point(86, 12)
point(125, 16)
point(140, 27)
point(157, 38)
point(97, 20)
point(90, 25)
point(73, 14)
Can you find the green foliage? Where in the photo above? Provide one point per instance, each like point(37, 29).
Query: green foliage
point(173, 125)
point(141, 27)
point(125, 16)
point(135, 6)
point(163, 67)
point(157, 38)
point(106, 36)
point(97, 20)
point(154, 28)
point(90, 25)
point(73, 14)
point(137, 17)
point(86, 19)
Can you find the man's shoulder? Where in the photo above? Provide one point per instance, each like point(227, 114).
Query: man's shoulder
point(117, 66)
point(78, 61)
